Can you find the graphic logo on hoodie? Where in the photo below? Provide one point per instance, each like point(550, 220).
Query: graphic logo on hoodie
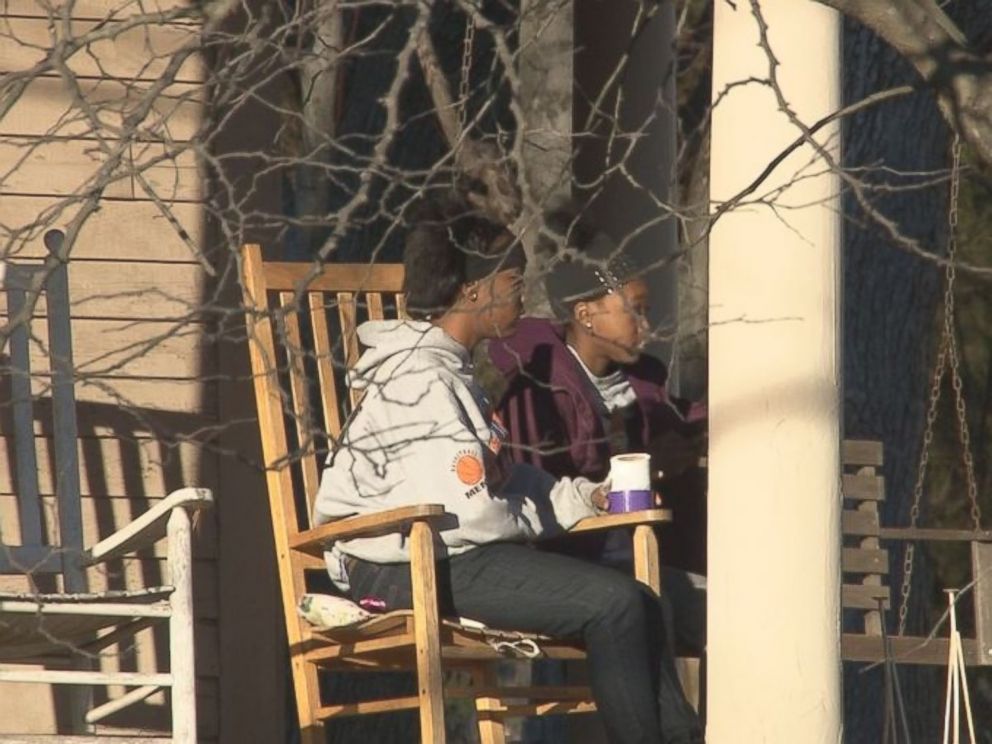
point(468, 467)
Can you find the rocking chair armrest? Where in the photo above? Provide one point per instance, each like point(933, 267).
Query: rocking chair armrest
point(315, 540)
point(646, 566)
point(627, 519)
point(149, 528)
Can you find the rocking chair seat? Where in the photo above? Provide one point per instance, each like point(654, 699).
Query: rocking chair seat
point(467, 633)
point(33, 625)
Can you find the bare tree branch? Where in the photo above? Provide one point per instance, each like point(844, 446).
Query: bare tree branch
point(940, 53)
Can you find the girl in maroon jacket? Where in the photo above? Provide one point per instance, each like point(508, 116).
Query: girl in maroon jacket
point(581, 390)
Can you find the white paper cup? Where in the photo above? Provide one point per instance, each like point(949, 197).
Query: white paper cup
point(630, 472)
point(630, 482)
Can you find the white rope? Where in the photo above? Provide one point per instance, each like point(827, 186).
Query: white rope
point(957, 683)
point(525, 648)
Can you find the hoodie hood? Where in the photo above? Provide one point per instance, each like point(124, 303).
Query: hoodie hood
point(415, 343)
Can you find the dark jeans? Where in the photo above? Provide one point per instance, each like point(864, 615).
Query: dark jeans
point(619, 621)
point(683, 595)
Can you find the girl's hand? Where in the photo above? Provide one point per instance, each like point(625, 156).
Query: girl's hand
point(600, 498)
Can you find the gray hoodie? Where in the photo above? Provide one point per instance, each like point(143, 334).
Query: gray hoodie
point(424, 433)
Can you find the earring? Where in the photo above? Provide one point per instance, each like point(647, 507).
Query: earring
point(588, 324)
point(473, 296)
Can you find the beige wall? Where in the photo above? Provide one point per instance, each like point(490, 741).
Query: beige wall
point(132, 280)
point(774, 502)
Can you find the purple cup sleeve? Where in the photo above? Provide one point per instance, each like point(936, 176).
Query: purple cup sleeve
point(628, 501)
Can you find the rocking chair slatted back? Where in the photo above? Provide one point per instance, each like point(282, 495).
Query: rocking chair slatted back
point(34, 552)
point(301, 329)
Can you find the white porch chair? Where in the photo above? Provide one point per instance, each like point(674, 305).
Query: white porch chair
point(68, 626)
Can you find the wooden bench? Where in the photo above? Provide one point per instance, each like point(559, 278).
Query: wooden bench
point(866, 561)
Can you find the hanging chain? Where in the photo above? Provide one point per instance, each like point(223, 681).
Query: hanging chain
point(463, 87)
point(957, 383)
point(947, 356)
point(914, 512)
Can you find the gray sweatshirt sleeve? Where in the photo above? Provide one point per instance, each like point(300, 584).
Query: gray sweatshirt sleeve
point(553, 506)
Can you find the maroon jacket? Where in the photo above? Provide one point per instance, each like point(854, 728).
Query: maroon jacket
point(550, 406)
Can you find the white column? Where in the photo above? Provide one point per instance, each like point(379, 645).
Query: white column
point(774, 360)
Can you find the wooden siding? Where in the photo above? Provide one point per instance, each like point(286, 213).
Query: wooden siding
point(145, 356)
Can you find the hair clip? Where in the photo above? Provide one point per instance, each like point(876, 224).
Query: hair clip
point(618, 271)
point(608, 280)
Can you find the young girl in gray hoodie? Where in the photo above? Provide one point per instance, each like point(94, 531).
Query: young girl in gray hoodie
point(425, 433)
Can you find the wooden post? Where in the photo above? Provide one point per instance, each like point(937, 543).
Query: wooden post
point(491, 729)
point(181, 662)
point(282, 504)
point(774, 462)
point(426, 629)
point(981, 566)
point(646, 567)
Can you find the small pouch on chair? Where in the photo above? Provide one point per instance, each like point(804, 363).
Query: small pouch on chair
point(328, 611)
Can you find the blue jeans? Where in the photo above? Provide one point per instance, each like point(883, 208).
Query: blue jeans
point(619, 621)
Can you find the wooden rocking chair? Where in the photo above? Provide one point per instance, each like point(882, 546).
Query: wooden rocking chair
point(301, 323)
point(60, 625)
